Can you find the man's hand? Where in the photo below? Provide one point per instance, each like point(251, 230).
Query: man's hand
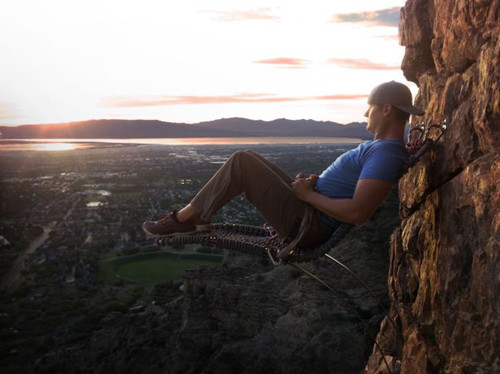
point(303, 185)
point(301, 175)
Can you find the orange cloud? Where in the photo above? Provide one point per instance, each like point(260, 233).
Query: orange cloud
point(341, 97)
point(246, 98)
point(287, 62)
point(362, 63)
point(383, 17)
point(248, 15)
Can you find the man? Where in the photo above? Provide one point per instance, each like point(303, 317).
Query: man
point(349, 190)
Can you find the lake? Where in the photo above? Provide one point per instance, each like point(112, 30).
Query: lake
point(75, 144)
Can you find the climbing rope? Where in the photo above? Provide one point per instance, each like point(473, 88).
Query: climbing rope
point(350, 306)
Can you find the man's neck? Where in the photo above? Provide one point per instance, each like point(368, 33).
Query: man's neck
point(390, 133)
point(388, 137)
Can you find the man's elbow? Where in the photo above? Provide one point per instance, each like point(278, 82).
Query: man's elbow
point(359, 221)
point(361, 217)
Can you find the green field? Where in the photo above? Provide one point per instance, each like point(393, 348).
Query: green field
point(149, 269)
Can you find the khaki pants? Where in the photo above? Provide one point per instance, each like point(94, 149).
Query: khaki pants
point(268, 188)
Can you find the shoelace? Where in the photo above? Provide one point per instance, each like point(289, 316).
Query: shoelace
point(164, 219)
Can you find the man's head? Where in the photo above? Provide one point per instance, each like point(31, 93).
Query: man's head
point(396, 94)
point(393, 103)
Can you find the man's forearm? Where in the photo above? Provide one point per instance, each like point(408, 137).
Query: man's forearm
point(367, 197)
point(344, 210)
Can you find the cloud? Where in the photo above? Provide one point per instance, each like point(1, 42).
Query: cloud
point(7, 111)
point(383, 17)
point(361, 64)
point(262, 14)
point(285, 62)
point(341, 97)
point(246, 98)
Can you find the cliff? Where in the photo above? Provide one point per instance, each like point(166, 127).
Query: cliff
point(443, 277)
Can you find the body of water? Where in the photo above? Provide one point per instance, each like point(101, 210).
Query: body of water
point(73, 144)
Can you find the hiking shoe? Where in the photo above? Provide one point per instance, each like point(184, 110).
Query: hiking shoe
point(170, 226)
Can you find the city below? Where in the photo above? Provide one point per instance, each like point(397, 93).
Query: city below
point(71, 225)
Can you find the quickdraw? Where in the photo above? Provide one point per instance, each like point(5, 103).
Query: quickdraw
point(421, 139)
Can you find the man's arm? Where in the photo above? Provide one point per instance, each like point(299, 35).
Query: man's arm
point(368, 196)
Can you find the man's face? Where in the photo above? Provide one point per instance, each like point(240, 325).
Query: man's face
point(374, 118)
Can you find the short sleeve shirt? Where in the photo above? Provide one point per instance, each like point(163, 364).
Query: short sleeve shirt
point(380, 159)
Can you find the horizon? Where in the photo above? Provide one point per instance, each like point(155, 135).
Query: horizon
point(190, 62)
point(180, 123)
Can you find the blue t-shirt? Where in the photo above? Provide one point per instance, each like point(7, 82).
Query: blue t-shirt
point(374, 159)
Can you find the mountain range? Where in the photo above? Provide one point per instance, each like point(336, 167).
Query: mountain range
point(227, 127)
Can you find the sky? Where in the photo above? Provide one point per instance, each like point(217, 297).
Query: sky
point(193, 60)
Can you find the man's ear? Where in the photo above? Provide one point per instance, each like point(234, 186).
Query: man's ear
point(387, 110)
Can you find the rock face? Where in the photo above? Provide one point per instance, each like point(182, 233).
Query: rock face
point(443, 277)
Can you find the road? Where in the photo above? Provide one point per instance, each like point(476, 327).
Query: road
point(19, 264)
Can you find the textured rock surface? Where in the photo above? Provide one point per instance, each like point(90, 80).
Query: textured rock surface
point(443, 278)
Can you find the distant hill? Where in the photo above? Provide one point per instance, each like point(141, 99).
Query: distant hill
point(285, 127)
point(227, 127)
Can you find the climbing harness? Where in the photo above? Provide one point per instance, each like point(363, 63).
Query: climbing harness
point(265, 241)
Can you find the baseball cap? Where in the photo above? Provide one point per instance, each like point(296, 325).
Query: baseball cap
point(396, 94)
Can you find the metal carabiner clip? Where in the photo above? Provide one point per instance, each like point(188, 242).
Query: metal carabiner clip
point(416, 137)
point(420, 130)
point(441, 127)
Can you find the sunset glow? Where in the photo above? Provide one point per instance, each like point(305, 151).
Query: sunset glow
point(194, 61)
point(55, 147)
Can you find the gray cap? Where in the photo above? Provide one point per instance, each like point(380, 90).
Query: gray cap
point(396, 94)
